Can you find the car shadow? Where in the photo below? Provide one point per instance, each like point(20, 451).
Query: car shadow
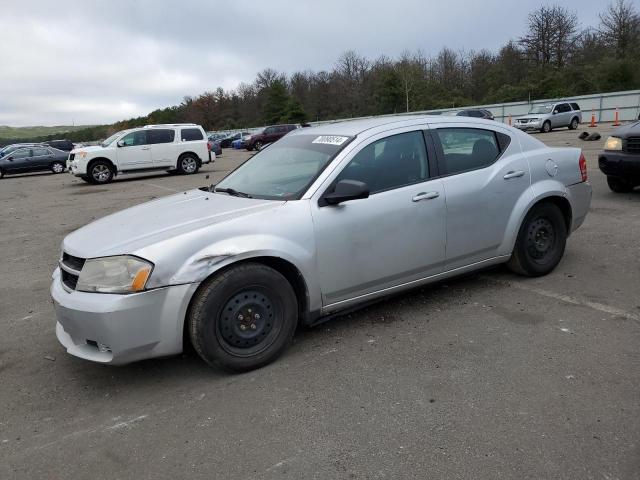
point(31, 174)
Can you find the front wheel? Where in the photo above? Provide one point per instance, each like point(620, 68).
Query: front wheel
point(540, 243)
point(57, 167)
point(100, 172)
point(546, 127)
point(243, 318)
point(188, 164)
point(258, 146)
point(618, 185)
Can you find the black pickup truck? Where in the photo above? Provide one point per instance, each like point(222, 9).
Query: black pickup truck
point(620, 160)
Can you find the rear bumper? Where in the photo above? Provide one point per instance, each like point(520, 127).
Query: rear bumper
point(579, 196)
point(619, 164)
point(119, 329)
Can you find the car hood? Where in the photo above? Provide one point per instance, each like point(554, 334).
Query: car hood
point(135, 228)
point(93, 148)
point(627, 130)
point(533, 116)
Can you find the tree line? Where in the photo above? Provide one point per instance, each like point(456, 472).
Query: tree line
point(556, 57)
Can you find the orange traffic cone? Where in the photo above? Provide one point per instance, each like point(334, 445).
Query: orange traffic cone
point(593, 119)
point(616, 121)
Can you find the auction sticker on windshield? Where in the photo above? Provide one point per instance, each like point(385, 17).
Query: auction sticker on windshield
point(330, 139)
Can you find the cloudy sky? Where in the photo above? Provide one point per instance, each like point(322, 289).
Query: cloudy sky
point(97, 61)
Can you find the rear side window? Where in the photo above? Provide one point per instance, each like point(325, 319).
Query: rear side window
point(391, 162)
point(467, 149)
point(189, 134)
point(575, 106)
point(38, 152)
point(160, 136)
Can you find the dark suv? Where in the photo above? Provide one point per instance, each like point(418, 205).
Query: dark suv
point(620, 160)
point(268, 135)
point(66, 145)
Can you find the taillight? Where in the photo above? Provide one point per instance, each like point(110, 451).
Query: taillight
point(583, 167)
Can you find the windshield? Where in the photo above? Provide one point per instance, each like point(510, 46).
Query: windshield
point(285, 169)
point(541, 109)
point(110, 140)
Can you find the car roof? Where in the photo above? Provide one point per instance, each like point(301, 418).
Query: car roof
point(356, 127)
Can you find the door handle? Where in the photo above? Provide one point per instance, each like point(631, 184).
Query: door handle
point(146, 148)
point(425, 196)
point(512, 174)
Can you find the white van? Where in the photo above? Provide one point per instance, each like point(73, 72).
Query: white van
point(176, 148)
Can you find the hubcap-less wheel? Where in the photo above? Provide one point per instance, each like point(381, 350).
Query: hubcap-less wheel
point(57, 168)
point(100, 173)
point(246, 323)
point(189, 164)
point(540, 239)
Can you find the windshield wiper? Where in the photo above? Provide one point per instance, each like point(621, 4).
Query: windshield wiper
point(233, 192)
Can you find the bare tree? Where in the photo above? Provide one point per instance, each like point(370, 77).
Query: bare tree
point(552, 35)
point(620, 27)
point(409, 69)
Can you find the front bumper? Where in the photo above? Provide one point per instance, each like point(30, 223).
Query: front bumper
point(579, 196)
point(528, 126)
point(619, 164)
point(119, 329)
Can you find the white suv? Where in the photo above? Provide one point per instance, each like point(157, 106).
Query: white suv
point(179, 148)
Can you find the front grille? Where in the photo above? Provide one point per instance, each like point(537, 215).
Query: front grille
point(76, 263)
point(70, 268)
point(69, 279)
point(633, 145)
point(72, 156)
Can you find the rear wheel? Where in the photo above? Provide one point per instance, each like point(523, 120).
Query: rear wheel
point(546, 127)
point(541, 241)
point(100, 172)
point(243, 318)
point(258, 146)
point(574, 123)
point(618, 185)
point(57, 167)
point(188, 164)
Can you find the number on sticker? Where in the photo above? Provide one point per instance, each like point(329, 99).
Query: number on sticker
point(330, 139)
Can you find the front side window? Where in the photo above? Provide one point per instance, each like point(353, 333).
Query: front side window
point(189, 134)
point(135, 138)
point(286, 169)
point(21, 153)
point(541, 109)
point(391, 162)
point(467, 148)
point(160, 136)
point(563, 107)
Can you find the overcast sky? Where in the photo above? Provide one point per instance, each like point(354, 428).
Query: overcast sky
point(97, 61)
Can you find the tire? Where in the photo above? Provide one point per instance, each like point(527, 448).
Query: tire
point(257, 146)
point(546, 127)
point(100, 172)
point(540, 243)
point(188, 164)
point(57, 167)
point(574, 123)
point(220, 323)
point(618, 185)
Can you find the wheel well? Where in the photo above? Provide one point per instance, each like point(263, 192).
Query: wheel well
point(94, 160)
point(564, 206)
point(285, 268)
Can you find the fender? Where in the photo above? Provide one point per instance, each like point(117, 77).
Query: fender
point(537, 192)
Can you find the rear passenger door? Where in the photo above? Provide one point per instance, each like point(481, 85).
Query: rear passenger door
point(162, 147)
point(484, 174)
point(42, 158)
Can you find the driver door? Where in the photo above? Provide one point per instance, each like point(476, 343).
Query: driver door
point(134, 151)
point(396, 235)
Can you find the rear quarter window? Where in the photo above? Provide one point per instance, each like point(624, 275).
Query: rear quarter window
point(189, 134)
point(575, 106)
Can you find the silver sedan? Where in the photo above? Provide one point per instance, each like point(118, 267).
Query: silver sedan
point(323, 220)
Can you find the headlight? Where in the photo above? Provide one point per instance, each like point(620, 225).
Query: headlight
point(121, 274)
point(613, 143)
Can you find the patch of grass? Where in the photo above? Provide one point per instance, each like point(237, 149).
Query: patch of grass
point(7, 132)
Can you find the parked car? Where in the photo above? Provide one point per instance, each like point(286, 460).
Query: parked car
point(476, 113)
point(33, 159)
point(238, 144)
point(268, 135)
point(325, 219)
point(228, 141)
point(620, 160)
point(213, 143)
point(547, 117)
point(180, 148)
point(15, 146)
point(66, 145)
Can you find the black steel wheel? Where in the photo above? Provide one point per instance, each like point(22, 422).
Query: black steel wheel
point(541, 241)
point(243, 318)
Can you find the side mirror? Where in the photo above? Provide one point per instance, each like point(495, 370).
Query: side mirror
point(554, 112)
point(346, 190)
point(120, 143)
